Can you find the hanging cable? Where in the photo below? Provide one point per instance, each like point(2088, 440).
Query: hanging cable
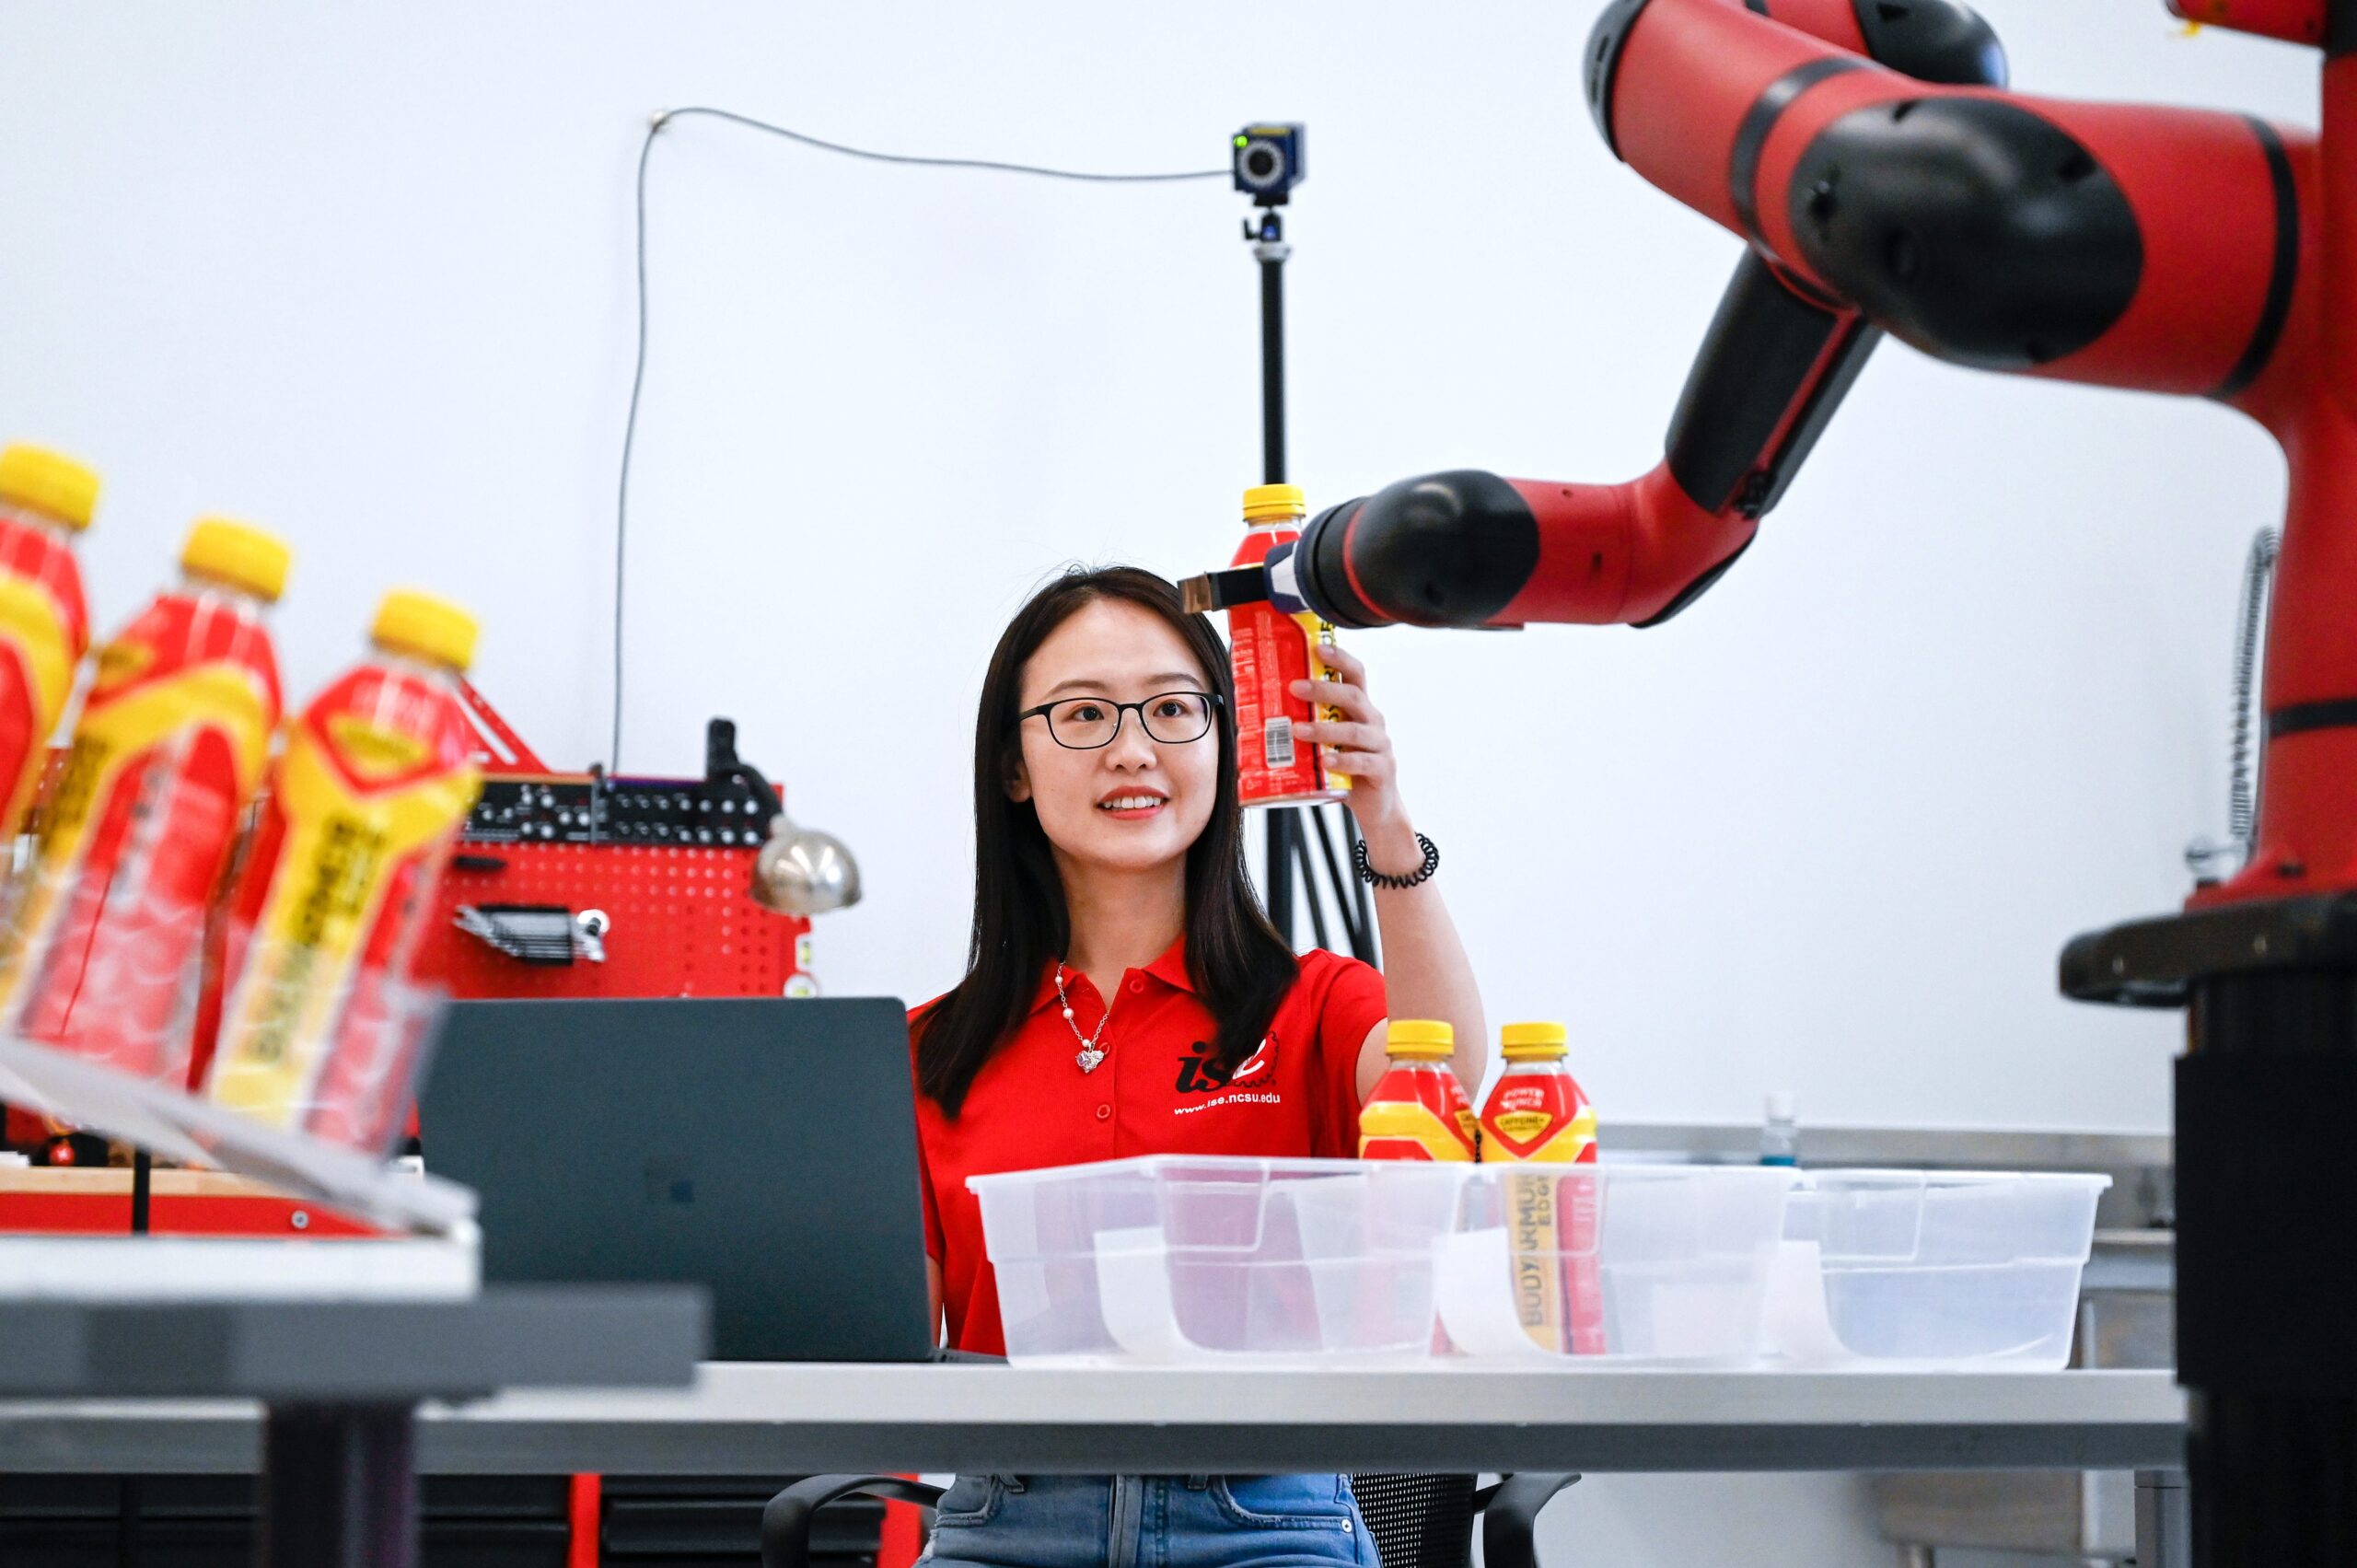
point(2242, 797)
point(638, 369)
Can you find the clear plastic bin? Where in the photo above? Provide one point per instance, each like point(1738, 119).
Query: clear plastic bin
point(1197, 1259)
point(1612, 1265)
point(1933, 1268)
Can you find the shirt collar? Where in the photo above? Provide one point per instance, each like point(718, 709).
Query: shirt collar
point(1171, 969)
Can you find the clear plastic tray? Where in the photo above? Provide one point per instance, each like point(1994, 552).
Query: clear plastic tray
point(1193, 1260)
point(1612, 1265)
point(1933, 1270)
point(177, 1126)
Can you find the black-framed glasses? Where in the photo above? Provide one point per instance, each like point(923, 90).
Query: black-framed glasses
point(1083, 724)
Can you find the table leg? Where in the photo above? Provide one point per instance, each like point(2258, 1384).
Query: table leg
point(126, 1524)
point(2164, 1520)
point(339, 1487)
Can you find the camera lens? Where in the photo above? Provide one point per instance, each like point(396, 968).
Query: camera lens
point(1262, 166)
point(1266, 161)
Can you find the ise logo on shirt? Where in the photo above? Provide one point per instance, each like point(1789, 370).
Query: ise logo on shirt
point(1199, 1075)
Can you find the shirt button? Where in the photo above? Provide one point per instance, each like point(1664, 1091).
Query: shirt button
point(1104, 1112)
point(1136, 986)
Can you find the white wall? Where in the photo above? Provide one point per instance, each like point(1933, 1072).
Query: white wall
point(364, 274)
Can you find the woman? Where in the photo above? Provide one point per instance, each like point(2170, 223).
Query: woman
point(1125, 995)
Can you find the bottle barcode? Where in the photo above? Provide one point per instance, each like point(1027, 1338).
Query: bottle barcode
point(1276, 742)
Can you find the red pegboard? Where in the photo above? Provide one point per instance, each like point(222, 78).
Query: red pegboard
point(681, 922)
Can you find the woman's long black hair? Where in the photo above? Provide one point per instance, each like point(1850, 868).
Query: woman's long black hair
point(1239, 964)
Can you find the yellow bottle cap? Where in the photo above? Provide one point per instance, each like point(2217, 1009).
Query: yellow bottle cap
point(48, 482)
point(239, 554)
point(1420, 1040)
point(412, 623)
point(1525, 1040)
point(1274, 503)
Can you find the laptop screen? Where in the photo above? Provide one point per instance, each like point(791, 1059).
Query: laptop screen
point(765, 1149)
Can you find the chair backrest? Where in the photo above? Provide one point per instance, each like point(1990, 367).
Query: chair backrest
point(1418, 1521)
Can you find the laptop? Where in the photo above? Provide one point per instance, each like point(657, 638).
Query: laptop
point(764, 1149)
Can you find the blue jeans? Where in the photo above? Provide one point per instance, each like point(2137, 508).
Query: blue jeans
point(1131, 1521)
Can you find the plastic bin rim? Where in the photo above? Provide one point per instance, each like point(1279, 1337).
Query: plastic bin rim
point(1309, 1165)
point(1898, 1174)
point(1147, 1165)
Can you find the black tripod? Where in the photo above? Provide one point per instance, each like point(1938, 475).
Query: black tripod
point(1292, 829)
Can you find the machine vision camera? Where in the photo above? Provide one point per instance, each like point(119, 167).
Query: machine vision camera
point(1268, 161)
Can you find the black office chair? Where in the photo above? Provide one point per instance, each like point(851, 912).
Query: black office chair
point(1418, 1521)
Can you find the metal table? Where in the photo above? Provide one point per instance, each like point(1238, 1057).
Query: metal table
point(760, 1419)
point(321, 1396)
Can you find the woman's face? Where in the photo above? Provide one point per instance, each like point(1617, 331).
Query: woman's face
point(1137, 802)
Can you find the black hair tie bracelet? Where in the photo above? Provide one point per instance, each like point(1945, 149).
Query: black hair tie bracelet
point(1421, 874)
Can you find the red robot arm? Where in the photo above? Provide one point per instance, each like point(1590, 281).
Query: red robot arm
point(1883, 181)
point(2119, 244)
point(1879, 187)
point(1471, 549)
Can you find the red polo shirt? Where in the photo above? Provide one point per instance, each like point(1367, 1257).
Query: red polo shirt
point(1031, 1106)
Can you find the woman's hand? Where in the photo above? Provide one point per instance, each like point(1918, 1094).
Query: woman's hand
point(1357, 743)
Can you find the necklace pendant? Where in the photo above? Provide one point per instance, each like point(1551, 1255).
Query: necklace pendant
point(1088, 1058)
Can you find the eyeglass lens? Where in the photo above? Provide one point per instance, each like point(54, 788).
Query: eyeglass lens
point(1173, 718)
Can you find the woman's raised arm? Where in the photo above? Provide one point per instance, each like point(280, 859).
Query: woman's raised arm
point(1426, 971)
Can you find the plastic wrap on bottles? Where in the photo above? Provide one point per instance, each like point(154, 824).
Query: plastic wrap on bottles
point(103, 947)
point(177, 1127)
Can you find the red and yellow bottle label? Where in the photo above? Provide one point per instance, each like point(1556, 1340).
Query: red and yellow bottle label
point(1538, 1118)
point(102, 951)
point(1267, 653)
point(1418, 1113)
point(1552, 1249)
point(375, 782)
point(1537, 1115)
point(44, 632)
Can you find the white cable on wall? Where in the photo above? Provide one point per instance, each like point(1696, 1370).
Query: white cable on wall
point(638, 372)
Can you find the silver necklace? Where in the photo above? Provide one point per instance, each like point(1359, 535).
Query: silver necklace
point(1090, 1055)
